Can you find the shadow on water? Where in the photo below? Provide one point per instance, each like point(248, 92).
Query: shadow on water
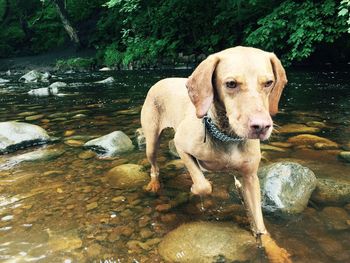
point(64, 210)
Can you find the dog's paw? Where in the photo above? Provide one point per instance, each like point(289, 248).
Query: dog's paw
point(274, 253)
point(153, 186)
point(203, 188)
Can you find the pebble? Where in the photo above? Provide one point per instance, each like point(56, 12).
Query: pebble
point(146, 233)
point(297, 128)
point(34, 117)
point(91, 206)
point(144, 221)
point(69, 133)
point(74, 143)
point(266, 147)
point(119, 199)
point(53, 173)
point(168, 218)
point(282, 144)
point(163, 207)
point(94, 250)
point(87, 155)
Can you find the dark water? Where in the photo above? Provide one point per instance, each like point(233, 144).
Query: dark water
point(62, 210)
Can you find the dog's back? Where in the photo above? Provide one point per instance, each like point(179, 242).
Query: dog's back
point(166, 105)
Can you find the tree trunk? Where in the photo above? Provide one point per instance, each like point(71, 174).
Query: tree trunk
point(61, 10)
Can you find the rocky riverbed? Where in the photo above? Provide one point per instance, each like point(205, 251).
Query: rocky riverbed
point(63, 199)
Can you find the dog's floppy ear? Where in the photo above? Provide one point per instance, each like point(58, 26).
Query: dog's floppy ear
point(280, 82)
point(200, 87)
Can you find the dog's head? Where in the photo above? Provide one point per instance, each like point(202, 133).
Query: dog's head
point(248, 82)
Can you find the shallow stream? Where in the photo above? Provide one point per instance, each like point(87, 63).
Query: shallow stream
point(64, 210)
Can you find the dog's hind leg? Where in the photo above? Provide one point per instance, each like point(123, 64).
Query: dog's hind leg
point(152, 144)
point(151, 129)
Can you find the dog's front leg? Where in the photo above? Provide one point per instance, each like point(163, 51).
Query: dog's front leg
point(201, 186)
point(252, 201)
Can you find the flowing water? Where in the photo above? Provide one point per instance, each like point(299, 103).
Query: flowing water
point(64, 210)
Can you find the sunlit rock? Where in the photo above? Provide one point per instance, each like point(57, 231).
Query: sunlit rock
point(17, 135)
point(332, 191)
point(127, 176)
point(208, 242)
point(44, 92)
point(106, 81)
point(111, 144)
point(105, 69)
point(140, 138)
point(35, 76)
point(58, 84)
point(3, 80)
point(286, 187)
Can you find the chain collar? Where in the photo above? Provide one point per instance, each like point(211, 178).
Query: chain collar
point(214, 131)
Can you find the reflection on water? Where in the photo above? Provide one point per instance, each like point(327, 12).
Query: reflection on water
point(63, 210)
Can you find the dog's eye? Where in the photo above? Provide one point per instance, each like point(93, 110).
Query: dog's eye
point(231, 84)
point(268, 84)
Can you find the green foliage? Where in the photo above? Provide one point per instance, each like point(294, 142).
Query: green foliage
point(345, 12)
point(148, 32)
point(75, 64)
point(294, 29)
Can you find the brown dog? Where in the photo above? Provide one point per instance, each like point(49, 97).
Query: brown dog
point(238, 89)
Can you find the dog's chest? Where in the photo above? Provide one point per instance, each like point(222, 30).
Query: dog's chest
point(226, 158)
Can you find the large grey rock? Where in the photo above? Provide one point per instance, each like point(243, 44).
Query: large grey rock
point(16, 135)
point(111, 144)
point(286, 187)
point(35, 76)
point(331, 191)
point(208, 242)
point(127, 176)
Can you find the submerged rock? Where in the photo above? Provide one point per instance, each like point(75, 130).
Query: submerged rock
point(207, 242)
point(16, 135)
point(111, 144)
point(286, 187)
point(335, 218)
point(106, 81)
point(345, 156)
point(331, 191)
point(35, 156)
point(172, 149)
point(308, 139)
point(127, 176)
point(297, 128)
point(34, 76)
